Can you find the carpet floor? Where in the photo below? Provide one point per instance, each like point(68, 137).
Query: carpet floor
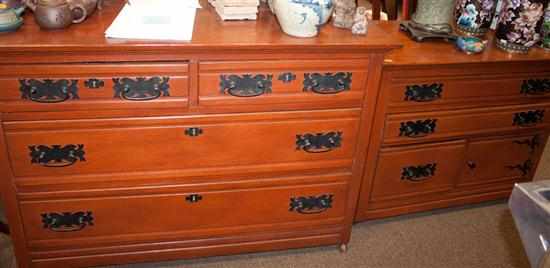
point(471, 236)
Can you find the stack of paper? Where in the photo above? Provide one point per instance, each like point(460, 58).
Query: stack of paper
point(236, 9)
point(158, 19)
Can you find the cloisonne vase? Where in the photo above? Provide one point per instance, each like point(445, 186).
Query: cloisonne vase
point(519, 26)
point(545, 30)
point(473, 17)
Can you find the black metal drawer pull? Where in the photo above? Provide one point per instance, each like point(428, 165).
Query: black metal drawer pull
point(67, 221)
point(57, 155)
point(94, 83)
point(535, 87)
point(320, 142)
point(245, 85)
point(418, 128)
point(418, 173)
point(529, 118)
point(48, 90)
point(532, 143)
point(141, 88)
point(327, 83)
point(524, 167)
point(193, 198)
point(287, 77)
point(193, 131)
point(311, 204)
point(423, 93)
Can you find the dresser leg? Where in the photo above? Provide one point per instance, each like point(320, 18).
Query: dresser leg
point(343, 248)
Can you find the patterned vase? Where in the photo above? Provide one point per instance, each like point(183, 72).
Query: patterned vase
point(519, 25)
point(302, 18)
point(473, 17)
point(545, 30)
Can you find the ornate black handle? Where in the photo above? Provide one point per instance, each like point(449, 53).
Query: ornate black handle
point(311, 204)
point(532, 143)
point(48, 90)
point(245, 85)
point(418, 173)
point(529, 118)
point(193, 198)
point(193, 131)
point(319, 142)
point(56, 155)
point(141, 88)
point(423, 93)
point(327, 83)
point(524, 167)
point(67, 221)
point(535, 87)
point(418, 128)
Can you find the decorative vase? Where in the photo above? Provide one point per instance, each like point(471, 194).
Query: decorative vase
point(545, 30)
point(302, 18)
point(520, 21)
point(473, 17)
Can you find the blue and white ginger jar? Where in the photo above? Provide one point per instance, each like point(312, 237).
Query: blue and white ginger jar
point(302, 18)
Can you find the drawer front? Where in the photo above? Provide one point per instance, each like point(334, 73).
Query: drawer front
point(509, 158)
point(193, 213)
point(94, 86)
point(410, 171)
point(153, 145)
point(426, 126)
point(465, 88)
point(330, 83)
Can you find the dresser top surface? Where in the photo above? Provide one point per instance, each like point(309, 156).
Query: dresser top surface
point(441, 52)
point(210, 33)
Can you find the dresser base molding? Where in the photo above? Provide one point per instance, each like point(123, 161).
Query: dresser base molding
point(192, 249)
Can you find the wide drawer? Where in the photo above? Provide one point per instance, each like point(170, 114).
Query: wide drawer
point(409, 171)
point(93, 86)
point(282, 83)
point(407, 128)
point(152, 144)
point(169, 216)
point(464, 87)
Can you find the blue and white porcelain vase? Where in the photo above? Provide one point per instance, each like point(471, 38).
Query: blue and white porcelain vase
point(473, 17)
point(519, 25)
point(302, 18)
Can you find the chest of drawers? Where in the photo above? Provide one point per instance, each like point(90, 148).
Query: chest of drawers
point(453, 129)
point(125, 151)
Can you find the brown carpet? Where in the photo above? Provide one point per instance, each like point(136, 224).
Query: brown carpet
point(473, 236)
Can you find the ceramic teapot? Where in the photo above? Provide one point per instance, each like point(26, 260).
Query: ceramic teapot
point(89, 5)
point(56, 14)
point(10, 18)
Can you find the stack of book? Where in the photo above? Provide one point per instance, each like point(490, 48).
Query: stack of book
point(236, 9)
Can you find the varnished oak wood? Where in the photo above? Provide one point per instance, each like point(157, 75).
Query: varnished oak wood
point(247, 149)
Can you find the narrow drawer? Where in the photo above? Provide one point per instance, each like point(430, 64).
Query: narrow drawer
point(168, 216)
point(407, 128)
point(283, 83)
point(502, 159)
point(464, 88)
point(406, 172)
point(93, 86)
point(144, 144)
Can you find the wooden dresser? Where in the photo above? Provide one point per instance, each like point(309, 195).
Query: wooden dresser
point(242, 140)
point(452, 128)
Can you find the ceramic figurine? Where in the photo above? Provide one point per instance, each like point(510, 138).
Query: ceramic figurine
point(545, 29)
point(519, 24)
point(470, 44)
point(10, 18)
point(360, 22)
point(302, 18)
point(473, 17)
point(344, 11)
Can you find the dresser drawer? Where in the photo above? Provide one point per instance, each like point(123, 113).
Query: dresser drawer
point(283, 83)
point(93, 86)
point(406, 128)
point(167, 216)
point(145, 144)
point(405, 90)
point(409, 171)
